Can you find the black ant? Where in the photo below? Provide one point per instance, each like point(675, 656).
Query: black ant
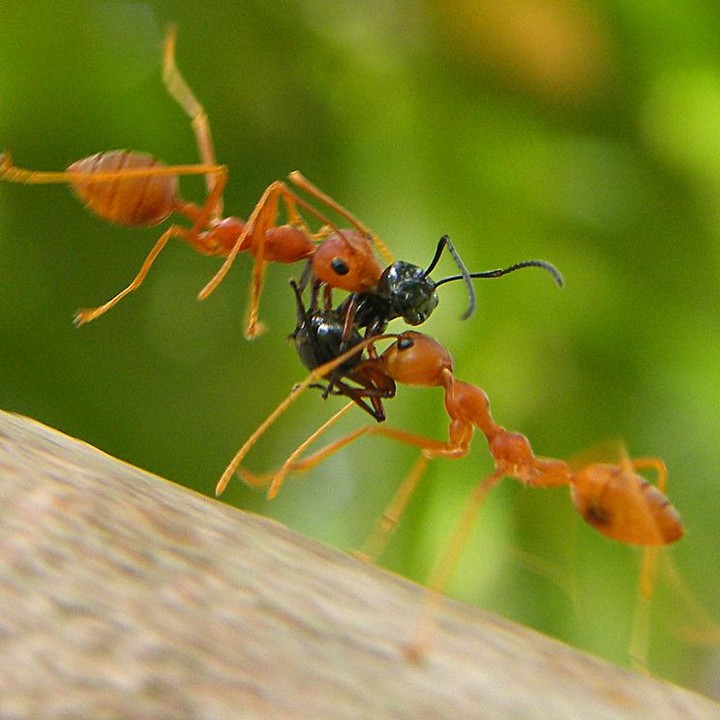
point(407, 291)
point(321, 336)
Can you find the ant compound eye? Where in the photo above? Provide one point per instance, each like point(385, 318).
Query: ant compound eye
point(405, 343)
point(339, 266)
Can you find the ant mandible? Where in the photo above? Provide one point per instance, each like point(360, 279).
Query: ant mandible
point(136, 189)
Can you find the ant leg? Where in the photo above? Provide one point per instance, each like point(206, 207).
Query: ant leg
point(640, 633)
point(259, 432)
point(446, 564)
point(212, 201)
point(704, 629)
point(387, 523)
point(430, 448)
point(261, 219)
point(259, 224)
point(292, 214)
point(178, 89)
point(382, 532)
point(86, 315)
point(448, 561)
point(22, 176)
point(311, 378)
point(258, 211)
point(276, 479)
point(298, 179)
point(652, 463)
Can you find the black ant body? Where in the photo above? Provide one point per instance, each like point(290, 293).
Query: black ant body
point(321, 336)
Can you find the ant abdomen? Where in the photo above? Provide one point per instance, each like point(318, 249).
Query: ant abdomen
point(622, 505)
point(140, 201)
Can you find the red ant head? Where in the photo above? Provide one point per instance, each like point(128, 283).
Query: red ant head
point(416, 359)
point(346, 260)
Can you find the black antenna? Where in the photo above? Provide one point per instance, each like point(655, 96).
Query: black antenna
point(445, 242)
point(557, 277)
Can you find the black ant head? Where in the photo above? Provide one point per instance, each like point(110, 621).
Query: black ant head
point(409, 291)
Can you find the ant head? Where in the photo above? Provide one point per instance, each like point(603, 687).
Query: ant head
point(409, 292)
point(416, 359)
point(346, 260)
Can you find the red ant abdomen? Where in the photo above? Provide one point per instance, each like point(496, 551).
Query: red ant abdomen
point(140, 201)
point(622, 505)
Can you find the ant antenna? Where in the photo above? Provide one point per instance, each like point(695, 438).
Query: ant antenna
point(557, 277)
point(443, 243)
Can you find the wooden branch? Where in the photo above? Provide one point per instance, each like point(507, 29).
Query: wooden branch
point(126, 596)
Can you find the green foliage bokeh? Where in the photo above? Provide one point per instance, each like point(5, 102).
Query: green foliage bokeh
point(582, 133)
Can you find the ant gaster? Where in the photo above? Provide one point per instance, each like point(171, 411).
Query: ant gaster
point(320, 336)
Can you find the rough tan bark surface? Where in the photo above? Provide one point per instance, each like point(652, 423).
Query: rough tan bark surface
point(126, 596)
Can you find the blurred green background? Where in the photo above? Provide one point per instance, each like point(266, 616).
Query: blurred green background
point(584, 133)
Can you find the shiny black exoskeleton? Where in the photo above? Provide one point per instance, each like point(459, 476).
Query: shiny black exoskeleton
point(403, 291)
point(322, 335)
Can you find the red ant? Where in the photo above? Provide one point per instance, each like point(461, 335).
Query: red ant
point(136, 189)
point(612, 497)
